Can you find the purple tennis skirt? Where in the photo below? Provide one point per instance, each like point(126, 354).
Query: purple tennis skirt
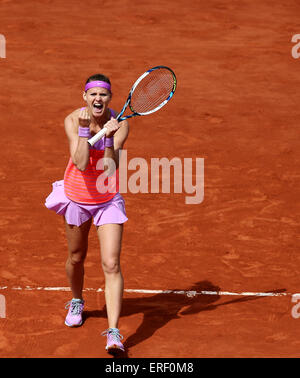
point(112, 211)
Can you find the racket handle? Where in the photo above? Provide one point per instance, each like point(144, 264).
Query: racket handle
point(97, 136)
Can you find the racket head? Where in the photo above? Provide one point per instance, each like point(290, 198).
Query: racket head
point(151, 91)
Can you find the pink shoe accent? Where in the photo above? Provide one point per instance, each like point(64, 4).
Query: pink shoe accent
point(114, 338)
point(74, 316)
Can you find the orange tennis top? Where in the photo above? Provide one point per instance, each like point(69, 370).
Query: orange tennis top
point(91, 186)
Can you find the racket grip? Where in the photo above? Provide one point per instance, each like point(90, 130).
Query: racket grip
point(97, 136)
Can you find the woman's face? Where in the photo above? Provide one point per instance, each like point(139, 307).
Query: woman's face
point(97, 100)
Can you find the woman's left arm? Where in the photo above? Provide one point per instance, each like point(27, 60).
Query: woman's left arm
point(120, 132)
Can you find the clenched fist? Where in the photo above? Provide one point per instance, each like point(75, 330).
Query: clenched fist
point(84, 118)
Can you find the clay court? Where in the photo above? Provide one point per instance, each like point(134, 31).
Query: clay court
point(236, 107)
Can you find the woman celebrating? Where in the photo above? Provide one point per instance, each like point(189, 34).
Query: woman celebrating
point(84, 195)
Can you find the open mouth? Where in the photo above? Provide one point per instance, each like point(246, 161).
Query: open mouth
point(98, 107)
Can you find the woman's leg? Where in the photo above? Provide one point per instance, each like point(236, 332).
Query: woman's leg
point(77, 238)
point(110, 237)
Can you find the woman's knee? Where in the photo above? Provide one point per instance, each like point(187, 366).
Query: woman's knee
point(111, 266)
point(77, 256)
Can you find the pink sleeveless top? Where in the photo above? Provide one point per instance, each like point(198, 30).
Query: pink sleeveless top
point(90, 186)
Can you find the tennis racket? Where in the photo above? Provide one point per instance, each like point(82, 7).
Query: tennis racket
point(149, 93)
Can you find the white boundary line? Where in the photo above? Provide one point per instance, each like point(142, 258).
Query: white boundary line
point(189, 293)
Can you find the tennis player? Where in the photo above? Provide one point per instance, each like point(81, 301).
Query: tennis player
point(81, 197)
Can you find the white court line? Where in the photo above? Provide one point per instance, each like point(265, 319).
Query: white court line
point(189, 293)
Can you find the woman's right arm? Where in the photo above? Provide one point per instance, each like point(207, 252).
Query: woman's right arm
point(79, 148)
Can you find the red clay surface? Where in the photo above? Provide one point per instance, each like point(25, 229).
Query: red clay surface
point(236, 106)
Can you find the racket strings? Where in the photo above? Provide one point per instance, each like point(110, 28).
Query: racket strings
point(154, 89)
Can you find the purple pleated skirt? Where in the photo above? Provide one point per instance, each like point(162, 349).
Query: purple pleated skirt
point(75, 213)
